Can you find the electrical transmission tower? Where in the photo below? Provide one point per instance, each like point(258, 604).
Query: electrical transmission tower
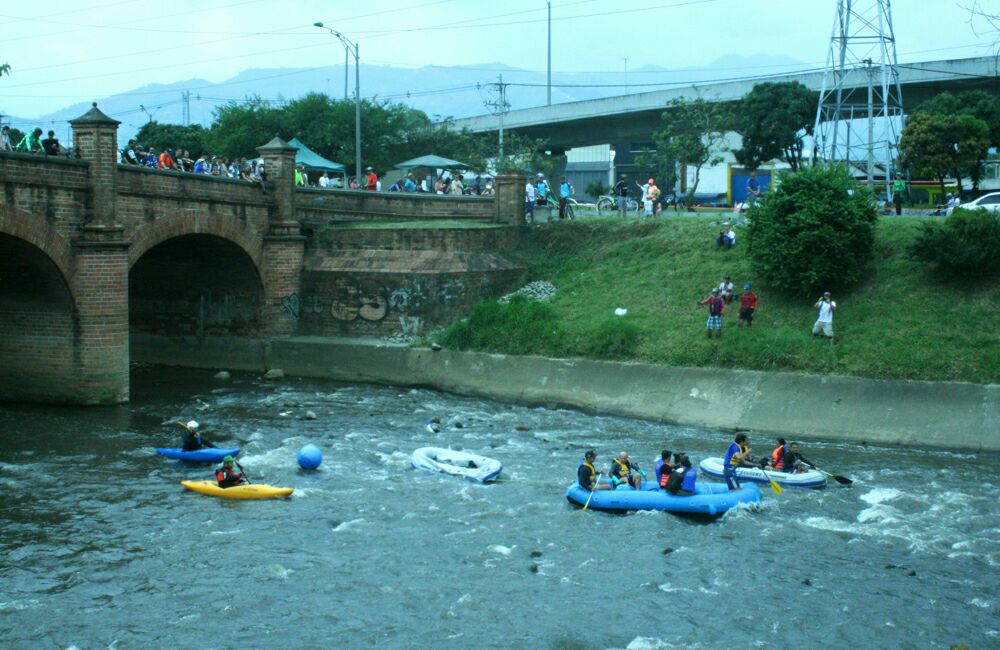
point(498, 102)
point(860, 112)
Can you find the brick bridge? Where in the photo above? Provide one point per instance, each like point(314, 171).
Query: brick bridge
point(102, 263)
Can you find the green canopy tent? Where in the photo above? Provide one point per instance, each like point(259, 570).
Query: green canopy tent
point(312, 161)
point(432, 162)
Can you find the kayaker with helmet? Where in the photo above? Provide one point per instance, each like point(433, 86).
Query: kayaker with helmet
point(621, 471)
point(586, 473)
point(663, 468)
point(737, 455)
point(226, 476)
point(683, 478)
point(778, 455)
point(793, 460)
point(192, 439)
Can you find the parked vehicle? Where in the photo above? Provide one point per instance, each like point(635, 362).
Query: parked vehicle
point(989, 201)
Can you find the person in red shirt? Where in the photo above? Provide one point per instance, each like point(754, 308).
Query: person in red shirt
point(748, 307)
point(166, 160)
point(226, 476)
point(371, 180)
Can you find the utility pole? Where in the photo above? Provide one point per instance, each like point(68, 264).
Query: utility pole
point(549, 85)
point(186, 107)
point(871, 129)
point(500, 106)
point(346, 68)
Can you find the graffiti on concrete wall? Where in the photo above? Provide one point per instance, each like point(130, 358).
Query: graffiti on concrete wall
point(291, 305)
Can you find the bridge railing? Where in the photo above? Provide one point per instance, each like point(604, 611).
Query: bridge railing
point(334, 206)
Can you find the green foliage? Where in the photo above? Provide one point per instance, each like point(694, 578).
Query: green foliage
point(693, 134)
point(190, 138)
point(974, 103)
point(934, 145)
point(614, 338)
point(773, 118)
point(518, 327)
point(4, 69)
point(816, 231)
point(962, 245)
point(597, 188)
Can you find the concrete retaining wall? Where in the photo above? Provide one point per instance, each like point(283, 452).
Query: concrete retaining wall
point(948, 415)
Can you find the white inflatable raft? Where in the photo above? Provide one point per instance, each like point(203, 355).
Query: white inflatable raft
point(457, 463)
point(811, 479)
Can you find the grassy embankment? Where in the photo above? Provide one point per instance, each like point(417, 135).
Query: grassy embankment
point(904, 322)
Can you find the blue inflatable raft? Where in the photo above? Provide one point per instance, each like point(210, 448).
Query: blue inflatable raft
point(203, 455)
point(709, 499)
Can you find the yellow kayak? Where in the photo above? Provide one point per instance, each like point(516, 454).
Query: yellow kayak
point(252, 491)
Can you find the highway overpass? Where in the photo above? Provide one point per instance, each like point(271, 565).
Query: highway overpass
point(637, 116)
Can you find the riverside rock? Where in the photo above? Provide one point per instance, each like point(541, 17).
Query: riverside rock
point(274, 373)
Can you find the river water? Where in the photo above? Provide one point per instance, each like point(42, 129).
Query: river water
point(102, 548)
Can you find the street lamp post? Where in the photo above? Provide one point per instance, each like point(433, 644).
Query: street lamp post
point(357, 96)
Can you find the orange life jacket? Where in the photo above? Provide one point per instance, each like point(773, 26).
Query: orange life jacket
point(778, 457)
point(665, 472)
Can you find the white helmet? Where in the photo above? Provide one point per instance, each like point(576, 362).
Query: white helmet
point(193, 425)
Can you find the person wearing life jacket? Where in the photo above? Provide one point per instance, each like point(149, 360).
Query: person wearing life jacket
point(683, 478)
point(621, 471)
point(737, 455)
point(663, 469)
point(794, 461)
point(192, 440)
point(586, 474)
point(778, 455)
point(226, 476)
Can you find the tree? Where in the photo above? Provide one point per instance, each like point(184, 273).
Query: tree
point(191, 138)
point(4, 69)
point(773, 118)
point(976, 103)
point(815, 231)
point(693, 135)
point(938, 145)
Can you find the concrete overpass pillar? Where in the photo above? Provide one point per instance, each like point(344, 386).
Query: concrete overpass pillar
point(284, 245)
point(100, 281)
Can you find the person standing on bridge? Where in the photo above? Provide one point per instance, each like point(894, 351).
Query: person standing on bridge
point(5, 144)
point(31, 142)
point(371, 180)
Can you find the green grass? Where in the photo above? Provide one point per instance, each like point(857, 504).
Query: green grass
point(903, 322)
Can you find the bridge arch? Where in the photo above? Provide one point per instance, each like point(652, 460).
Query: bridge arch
point(39, 233)
point(229, 228)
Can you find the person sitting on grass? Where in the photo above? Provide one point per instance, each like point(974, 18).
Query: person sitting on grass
point(726, 239)
point(727, 289)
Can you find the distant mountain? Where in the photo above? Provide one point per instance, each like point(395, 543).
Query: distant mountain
point(439, 91)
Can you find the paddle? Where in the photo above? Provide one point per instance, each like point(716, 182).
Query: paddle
point(596, 478)
point(843, 480)
point(774, 486)
point(243, 472)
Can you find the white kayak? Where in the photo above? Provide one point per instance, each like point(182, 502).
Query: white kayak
point(810, 479)
point(457, 463)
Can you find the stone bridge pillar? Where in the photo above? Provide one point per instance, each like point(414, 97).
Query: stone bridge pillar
point(284, 245)
point(510, 198)
point(100, 280)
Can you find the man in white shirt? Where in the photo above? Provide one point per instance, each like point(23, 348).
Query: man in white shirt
point(530, 196)
point(824, 323)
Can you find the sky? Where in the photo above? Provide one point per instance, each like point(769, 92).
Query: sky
point(67, 51)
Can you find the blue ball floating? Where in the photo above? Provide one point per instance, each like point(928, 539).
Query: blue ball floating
point(310, 457)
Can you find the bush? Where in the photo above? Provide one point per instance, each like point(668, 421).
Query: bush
point(963, 245)
point(816, 231)
point(597, 188)
point(519, 327)
point(614, 338)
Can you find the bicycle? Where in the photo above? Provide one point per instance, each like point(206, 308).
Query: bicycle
point(607, 203)
point(552, 203)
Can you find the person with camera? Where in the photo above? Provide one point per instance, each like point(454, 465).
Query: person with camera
point(824, 323)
